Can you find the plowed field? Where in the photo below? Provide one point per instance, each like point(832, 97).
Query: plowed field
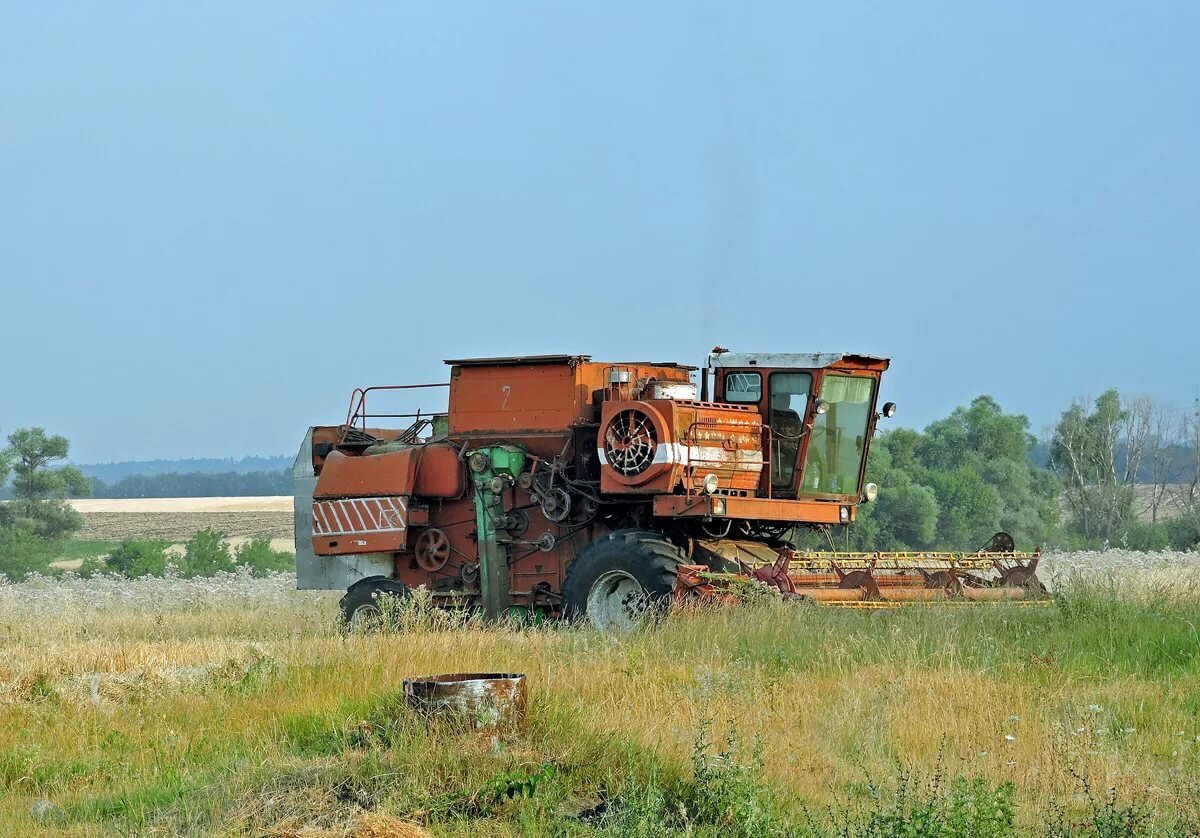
point(178, 519)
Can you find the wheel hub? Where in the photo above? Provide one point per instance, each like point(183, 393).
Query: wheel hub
point(616, 600)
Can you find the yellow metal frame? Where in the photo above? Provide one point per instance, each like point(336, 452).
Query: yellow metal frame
point(937, 603)
point(912, 560)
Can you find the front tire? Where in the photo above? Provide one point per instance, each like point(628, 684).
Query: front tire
point(360, 609)
point(614, 581)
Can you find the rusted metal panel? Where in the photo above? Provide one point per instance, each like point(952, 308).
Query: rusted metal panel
point(484, 701)
point(440, 473)
point(392, 473)
point(751, 509)
point(359, 525)
point(513, 397)
point(549, 397)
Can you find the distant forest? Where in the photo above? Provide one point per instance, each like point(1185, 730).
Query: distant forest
point(191, 478)
point(112, 472)
point(195, 484)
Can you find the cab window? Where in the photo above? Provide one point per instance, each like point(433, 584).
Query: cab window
point(743, 387)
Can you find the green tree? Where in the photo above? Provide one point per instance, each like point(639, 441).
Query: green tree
point(969, 509)
point(39, 491)
point(206, 554)
point(954, 485)
point(906, 516)
point(135, 559)
point(257, 555)
point(22, 552)
point(1086, 452)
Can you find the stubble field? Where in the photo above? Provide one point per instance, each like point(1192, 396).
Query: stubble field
point(235, 706)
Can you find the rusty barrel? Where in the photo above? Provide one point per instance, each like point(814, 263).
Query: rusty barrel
point(481, 700)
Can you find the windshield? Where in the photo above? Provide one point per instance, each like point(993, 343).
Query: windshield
point(838, 437)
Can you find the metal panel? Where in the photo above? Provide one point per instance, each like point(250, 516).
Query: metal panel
point(785, 360)
point(324, 573)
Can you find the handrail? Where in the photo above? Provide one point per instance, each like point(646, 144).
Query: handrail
point(358, 405)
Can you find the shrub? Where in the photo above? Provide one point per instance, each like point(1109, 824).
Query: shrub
point(968, 808)
point(1146, 537)
point(23, 552)
point(728, 791)
point(135, 559)
point(257, 555)
point(206, 554)
point(1184, 531)
point(726, 795)
point(92, 566)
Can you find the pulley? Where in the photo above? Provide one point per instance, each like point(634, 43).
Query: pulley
point(432, 550)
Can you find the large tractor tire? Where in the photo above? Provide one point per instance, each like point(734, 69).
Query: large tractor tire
point(360, 606)
point(617, 579)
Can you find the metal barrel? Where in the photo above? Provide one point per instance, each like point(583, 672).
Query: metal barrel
point(481, 700)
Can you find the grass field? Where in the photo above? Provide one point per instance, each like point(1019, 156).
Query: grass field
point(233, 706)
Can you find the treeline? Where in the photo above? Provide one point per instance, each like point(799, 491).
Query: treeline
point(957, 483)
point(196, 485)
point(1107, 475)
point(112, 472)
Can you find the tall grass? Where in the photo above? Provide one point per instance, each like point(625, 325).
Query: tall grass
point(234, 704)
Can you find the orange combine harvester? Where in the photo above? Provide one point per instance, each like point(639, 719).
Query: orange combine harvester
point(557, 485)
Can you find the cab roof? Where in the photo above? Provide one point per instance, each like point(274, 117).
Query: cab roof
point(797, 360)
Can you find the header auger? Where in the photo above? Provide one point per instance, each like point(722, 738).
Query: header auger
point(566, 487)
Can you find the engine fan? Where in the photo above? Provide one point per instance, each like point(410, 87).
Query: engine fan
point(630, 442)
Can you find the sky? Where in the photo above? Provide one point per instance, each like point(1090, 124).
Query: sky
point(216, 219)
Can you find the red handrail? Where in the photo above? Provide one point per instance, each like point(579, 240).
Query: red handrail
point(358, 404)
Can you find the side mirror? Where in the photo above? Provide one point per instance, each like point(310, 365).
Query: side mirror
point(822, 407)
point(889, 410)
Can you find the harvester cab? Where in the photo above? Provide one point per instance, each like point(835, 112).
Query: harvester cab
point(556, 485)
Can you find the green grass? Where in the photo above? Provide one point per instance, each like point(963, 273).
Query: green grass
point(84, 549)
point(1077, 719)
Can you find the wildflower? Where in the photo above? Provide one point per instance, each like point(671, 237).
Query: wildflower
point(1008, 737)
point(1095, 708)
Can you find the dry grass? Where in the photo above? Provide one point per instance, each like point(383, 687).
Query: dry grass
point(233, 705)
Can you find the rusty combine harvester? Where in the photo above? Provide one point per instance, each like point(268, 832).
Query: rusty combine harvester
point(561, 486)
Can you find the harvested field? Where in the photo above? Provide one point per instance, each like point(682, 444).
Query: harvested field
point(233, 706)
point(178, 519)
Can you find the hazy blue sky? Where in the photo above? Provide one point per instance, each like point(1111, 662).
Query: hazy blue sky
point(216, 219)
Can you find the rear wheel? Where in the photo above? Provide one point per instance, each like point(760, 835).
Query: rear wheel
point(617, 579)
point(361, 612)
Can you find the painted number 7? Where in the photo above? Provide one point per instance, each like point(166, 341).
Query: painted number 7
point(506, 390)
